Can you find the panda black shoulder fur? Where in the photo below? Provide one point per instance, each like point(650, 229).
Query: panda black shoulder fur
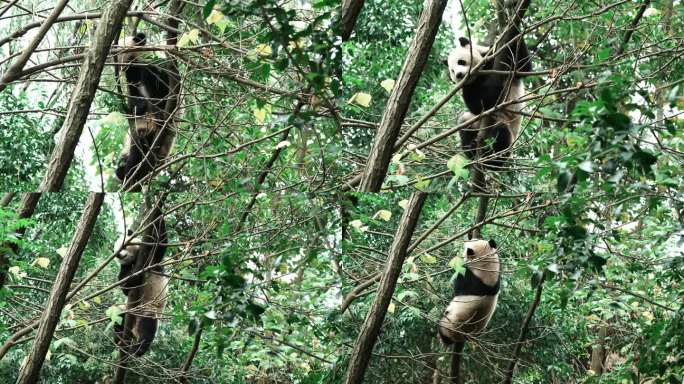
point(484, 91)
point(151, 134)
point(153, 284)
point(475, 293)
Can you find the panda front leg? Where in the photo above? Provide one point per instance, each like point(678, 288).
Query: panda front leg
point(144, 332)
point(468, 135)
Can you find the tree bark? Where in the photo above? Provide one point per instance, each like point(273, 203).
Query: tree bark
point(400, 98)
point(350, 13)
point(363, 348)
point(523, 331)
point(598, 352)
point(191, 354)
point(83, 94)
point(14, 71)
point(29, 201)
point(29, 372)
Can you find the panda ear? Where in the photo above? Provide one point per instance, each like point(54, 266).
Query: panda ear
point(444, 61)
point(492, 243)
point(470, 252)
point(129, 232)
point(463, 41)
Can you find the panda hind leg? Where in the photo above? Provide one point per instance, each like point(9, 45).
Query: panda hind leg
point(145, 329)
point(468, 135)
point(496, 146)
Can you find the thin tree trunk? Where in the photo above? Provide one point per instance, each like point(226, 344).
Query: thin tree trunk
point(83, 94)
point(455, 367)
point(523, 331)
point(7, 198)
point(363, 347)
point(29, 372)
point(28, 205)
point(350, 13)
point(400, 98)
point(191, 354)
point(14, 70)
point(598, 352)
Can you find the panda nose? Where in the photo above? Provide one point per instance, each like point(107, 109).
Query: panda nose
point(460, 76)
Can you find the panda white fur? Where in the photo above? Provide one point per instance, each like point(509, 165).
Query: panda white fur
point(153, 285)
point(475, 293)
point(481, 92)
point(151, 134)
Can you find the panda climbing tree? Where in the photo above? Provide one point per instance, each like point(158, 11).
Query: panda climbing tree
point(151, 99)
point(475, 296)
point(143, 282)
point(492, 100)
point(489, 140)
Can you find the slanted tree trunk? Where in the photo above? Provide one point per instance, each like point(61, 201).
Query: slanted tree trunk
point(350, 13)
point(598, 352)
point(400, 98)
point(83, 94)
point(363, 347)
point(29, 372)
point(29, 201)
point(14, 70)
point(523, 331)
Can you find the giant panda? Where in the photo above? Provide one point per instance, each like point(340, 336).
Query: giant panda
point(151, 134)
point(475, 294)
point(481, 92)
point(152, 283)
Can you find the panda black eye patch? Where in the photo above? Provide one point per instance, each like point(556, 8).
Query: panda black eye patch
point(461, 62)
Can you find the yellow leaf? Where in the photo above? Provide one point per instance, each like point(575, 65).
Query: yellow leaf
point(214, 17)
point(383, 214)
point(651, 12)
point(283, 144)
point(42, 262)
point(114, 118)
point(62, 251)
point(48, 355)
point(191, 36)
point(388, 84)
point(97, 300)
point(260, 114)
point(403, 204)
point(263, 50)
point(356, 223)
point(363, 99)
point(391, 307)
point(14, 270)
point(428, 259)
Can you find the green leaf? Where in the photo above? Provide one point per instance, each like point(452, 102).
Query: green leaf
point(428, 259)
point(457, 265)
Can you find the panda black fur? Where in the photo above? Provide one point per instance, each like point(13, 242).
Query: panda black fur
point(484, 91)
point(151, 135)
point(153, 285)
point(475, 293)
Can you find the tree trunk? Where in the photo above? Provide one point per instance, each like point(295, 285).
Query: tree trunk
point(400, 98)
point(363, 348)
point(523, 331)
point(14, 70)
point(598, 352)
point(83, 94)
point(350, 12)
point(29, 201)
point(30, 370)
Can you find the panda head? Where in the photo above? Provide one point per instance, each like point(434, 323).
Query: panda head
point(462, 58)
point(132, 41)
point(128, 253)
point(480, 249)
